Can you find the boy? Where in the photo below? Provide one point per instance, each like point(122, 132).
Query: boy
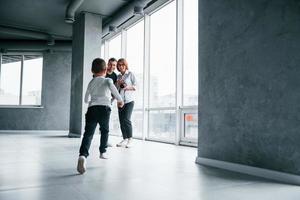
point(100, 90)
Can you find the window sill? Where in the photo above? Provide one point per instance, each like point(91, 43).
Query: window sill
point(17, 106)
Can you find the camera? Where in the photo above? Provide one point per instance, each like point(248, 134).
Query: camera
point(122, 85)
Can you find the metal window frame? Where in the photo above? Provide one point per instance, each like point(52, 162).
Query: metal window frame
point(183, 105)
point(21, 81)
point(172, 108)
point(23, 54)
point(179, 68)
point(0, 67)
point(184, 108)
point(124, 55)
point(146, 75)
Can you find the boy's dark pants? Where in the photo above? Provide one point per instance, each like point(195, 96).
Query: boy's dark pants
point(125, 119)
point(95, 115)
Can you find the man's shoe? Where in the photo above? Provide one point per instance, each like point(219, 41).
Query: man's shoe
point(122, 143)
point(81, 165)
point(103, 156)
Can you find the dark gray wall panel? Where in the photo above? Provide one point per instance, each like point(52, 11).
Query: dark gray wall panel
point(249, 83)
point(55, 99)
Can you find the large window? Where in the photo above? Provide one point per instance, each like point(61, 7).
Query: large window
point(163, 57)
point(114, 50)
point(102, 51)
point(114, 47)
point(135, 58)
point(162, 85)
point(10, 80)
point(162, 52)
point(190, 53)
point(21, 79)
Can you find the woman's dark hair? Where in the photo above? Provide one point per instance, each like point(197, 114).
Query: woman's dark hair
point(98, 65)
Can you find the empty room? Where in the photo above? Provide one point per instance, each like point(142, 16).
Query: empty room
point(150, 99)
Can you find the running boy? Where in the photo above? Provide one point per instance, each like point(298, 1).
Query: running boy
point(100, 90)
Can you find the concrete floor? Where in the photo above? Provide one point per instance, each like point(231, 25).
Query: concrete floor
point(42, 166)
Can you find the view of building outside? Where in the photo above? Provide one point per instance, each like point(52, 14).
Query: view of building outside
point(32, 80)
point(190, 67)
point(190, 53)
point(114, 47)
point(102, 52)
point(162, 85)
point(163, 57)
point(191, 125)
point(162, 125)
point(135, 58)
point(10, 80)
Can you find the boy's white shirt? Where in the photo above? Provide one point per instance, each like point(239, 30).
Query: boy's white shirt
point(100, 90)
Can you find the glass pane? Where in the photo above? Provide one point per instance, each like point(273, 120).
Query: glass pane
point(114, 47)
point(137, 124)
point(10, 80)
point(102, 51)
point(114, 124)
point(163, 57)
point(190, 52)
point(135, 58)
point(162, 125)
point(191, 126)
point(32, 80)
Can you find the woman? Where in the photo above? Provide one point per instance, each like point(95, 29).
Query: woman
point(126, 84)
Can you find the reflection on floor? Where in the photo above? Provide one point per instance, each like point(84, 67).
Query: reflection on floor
point(42, 166)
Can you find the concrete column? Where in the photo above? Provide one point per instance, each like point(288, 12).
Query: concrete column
point(86, 46)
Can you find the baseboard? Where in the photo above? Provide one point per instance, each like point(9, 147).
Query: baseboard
point(35, 131)
point(73, 135)
point(255, 171)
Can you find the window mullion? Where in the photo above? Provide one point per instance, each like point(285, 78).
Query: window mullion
point(146, 78)
point(179, 68)
point(0, 69)
point(21, 80)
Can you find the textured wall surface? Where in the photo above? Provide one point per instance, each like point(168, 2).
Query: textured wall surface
point(56, 89)
point(86, 46)
point(249, 82)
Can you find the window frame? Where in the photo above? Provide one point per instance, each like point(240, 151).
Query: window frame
point(179, 108)
point(22, 54)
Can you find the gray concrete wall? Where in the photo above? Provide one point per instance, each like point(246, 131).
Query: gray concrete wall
point(56, 87)
point(249, 83)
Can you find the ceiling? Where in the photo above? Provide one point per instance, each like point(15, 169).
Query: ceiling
point(47, 16)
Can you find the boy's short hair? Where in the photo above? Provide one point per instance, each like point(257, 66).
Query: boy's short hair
point(98, 65)
point(112, 60)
